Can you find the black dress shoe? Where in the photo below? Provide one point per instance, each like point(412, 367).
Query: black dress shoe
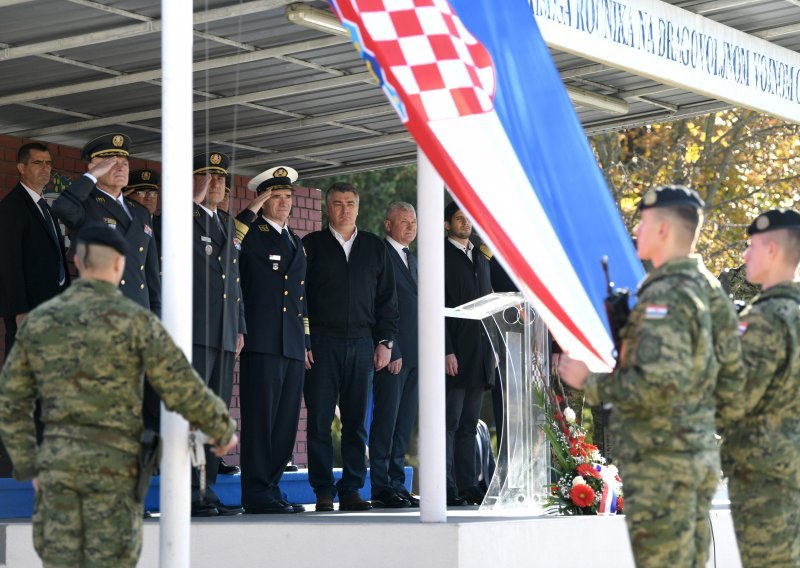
point(204, 510)
point(389, 500)
point(456, 501)
point(225, 469)
point(290, 467)
point(324, 504)
point(228, 511)
point(270, 508)
point(474, 496)
point(353, 502)
point(296, 507)
point(413, 500)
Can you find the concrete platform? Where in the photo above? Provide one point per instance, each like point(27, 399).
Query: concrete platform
point(393, 539)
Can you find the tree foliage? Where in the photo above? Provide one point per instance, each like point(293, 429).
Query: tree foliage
point(741, 162)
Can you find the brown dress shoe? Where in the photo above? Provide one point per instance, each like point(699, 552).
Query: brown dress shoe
point(353, 502)
point(324, 503)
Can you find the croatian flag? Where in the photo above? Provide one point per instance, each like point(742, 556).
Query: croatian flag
point(475, 85)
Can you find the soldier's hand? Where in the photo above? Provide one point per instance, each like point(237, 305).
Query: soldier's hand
point(309, 359)
point(259, 201)
point(35, 483)
point(572, 371)
point(395, 366)
point(201, 190)
point(451, 364)
point(221, 451)
point(104, 166)
point(381, 357)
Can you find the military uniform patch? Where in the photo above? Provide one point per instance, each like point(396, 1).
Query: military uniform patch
point(148, 230)
point(263, 228)
point(649, 349)
point(742, 328)
point(100, 199)
point(655, 311)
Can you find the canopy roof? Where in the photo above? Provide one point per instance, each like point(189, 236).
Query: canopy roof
point(269, 91)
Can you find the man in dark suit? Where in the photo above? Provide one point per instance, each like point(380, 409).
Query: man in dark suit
point(218, 324)
point(276, 347)
point(396, 387)
point(97, 196)
point(352, 308)
point(469, 361)
point(34, 266)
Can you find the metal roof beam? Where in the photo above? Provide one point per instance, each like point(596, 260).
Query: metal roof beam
point(205, 105)
point(643, 119)
point(121, 79)
point(134, 30)
point(392, 161)
point(720, 5)
point(306, 152)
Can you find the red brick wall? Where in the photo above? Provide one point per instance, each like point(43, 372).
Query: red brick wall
point(306, 217)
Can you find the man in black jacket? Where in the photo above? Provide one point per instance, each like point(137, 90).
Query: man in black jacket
point(97, 196)
point(396, 387)
point(352, 307)
point(276, 347)
point(469, 361)
point(218, 324)
point(34, 266)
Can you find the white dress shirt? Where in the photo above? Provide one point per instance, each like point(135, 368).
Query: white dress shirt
point(347, 245)
point(399, 248)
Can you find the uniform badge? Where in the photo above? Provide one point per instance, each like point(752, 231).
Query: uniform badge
point(197, 213)
point(742, 328)
point(118, 141)
point(215, 159)
point(655, 311)
point(145, 175)
point(100, 199)
point(762, 222)
point(275, 266)
point(148, 230)
point(263, 228)
point(111, 222)
point(237, 244)
point(209, 250)
point(280, 173)
point(275, 257)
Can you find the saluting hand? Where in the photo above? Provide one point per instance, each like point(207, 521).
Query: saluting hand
point(104, 166)
point(259, 201)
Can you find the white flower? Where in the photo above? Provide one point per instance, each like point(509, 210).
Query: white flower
point(569, 415)
point(578, 480)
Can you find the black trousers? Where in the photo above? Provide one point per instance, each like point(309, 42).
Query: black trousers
point(270, 389)
point(395, 404)
point(342, 371)
point(216, 368)
point(462, 412)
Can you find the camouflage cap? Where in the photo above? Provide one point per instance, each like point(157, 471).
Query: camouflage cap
point(670, 196)
point(95, 233)
point(143, 179)
point(107, 145)
point(773, 220)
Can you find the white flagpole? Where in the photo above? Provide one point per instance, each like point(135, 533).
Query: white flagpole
point(430, 244)
point(176, 290)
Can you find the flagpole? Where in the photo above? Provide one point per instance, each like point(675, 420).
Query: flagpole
point(430, 244)
point(176, 296)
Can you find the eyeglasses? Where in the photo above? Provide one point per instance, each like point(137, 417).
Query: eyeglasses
point(146, 193)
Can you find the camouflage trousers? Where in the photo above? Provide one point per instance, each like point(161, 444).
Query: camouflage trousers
point(86, 515)
point(667, 499)
point(766, 517)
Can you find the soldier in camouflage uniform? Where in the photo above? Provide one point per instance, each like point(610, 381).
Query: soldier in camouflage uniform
point(84, 355)
point(761, 453)
point(663, 390)
point(735, 284)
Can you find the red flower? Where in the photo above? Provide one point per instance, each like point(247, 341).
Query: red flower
point(587, 470)
point(582, 495)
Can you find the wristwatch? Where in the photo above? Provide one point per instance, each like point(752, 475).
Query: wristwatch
point(387, 342)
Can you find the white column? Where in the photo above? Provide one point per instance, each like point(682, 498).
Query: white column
point(176, 284)
point(430, 244)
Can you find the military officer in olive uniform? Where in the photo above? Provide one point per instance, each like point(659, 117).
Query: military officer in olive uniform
point(97, 196)
point(219, 324)
point(663, 390)
point(277, 342)
point(761, 453)
point(86, 512)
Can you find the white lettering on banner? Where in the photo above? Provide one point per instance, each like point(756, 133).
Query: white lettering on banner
point(671, 45)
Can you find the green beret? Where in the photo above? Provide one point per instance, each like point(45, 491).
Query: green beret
point(113, 144)
point(670, 196)
point(95, 233)
point(773, 220)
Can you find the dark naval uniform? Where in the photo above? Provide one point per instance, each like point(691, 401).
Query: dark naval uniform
point(272, 362)
point(218, 314)
point(83, 201)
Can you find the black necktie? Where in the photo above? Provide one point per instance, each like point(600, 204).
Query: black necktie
point(51, 229)
point(412, 264)
point(288, 238)
point(220, 226)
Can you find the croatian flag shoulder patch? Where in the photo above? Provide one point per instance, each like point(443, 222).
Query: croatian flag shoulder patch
point(655, 311)
point(742, 328)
